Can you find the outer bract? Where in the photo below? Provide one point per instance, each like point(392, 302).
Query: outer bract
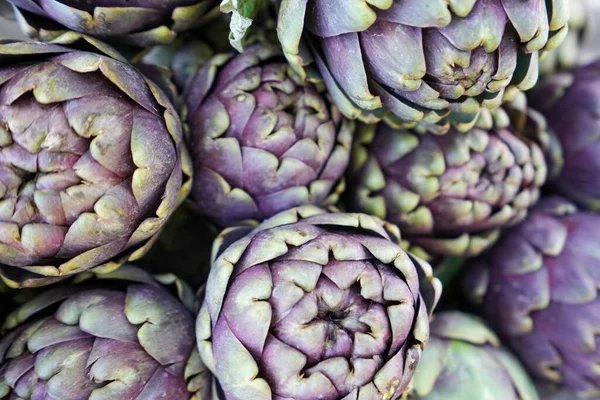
point(92, 161)
point(571, 104)
point(450, 194)
point(538, 287)
point(126, 338)
point(316, 305)
point(463, 360)
point(434, 61)
point(132, 22)
point(582, 43)
point(262, 141)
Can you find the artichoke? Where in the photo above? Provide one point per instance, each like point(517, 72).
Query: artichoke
point(126, 338)
point(538, 287)
point(463, 360)
point(315, 305)
point(450, 194)
point(436, 61)
point(581, 44)
point(92, 161)
point(262, 141)
point(131, 22)
point(571, 103)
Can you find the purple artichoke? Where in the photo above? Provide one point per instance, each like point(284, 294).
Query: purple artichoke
point(262, 141)
point(434, 61)
point(131, 22)
point(316, 305)
point(451, 194)
point(571, 104)
point(128, 338)
point(464, 361)
point(92, 161)
point(538, 287)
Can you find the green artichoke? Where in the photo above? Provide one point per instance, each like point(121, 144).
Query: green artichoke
point(131, 22)
point(538, 288)
point(436, 61)
point(464, 360)
point(92, 160)
point(315, 305)
point(450, 194)
point(262, 141)
point(582, 44)
point(121, 336)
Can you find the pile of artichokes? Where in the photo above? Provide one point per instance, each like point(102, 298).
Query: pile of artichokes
point(300, 199)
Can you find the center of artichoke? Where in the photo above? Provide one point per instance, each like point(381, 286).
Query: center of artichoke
point(340, 312)
point(334, 317)
point(342, 321)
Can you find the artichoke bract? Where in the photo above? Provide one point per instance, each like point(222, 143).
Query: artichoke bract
point(435, 61)
point(538, 287)
point(131, 22)
point(313, 305)
point(126, 338)
point(450, 194)
point(464, 360)
point(262, 141)
point(571, 103)
point(92, 160)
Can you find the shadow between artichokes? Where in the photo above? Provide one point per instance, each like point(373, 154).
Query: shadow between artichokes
point(312, 304)
point(92, 160)
point(552, 392)
point(183, 247)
